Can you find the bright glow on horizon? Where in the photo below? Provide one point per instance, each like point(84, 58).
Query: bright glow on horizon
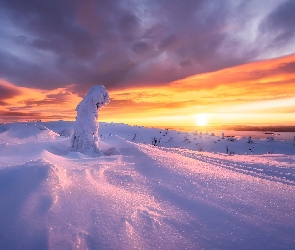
point(240, 95)
point(201, 120)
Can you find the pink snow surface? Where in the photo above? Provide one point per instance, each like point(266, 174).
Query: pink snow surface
point(176, 195)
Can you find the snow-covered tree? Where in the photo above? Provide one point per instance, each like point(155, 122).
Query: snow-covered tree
point(85, 137)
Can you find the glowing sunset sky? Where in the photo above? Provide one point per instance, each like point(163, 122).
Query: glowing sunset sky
point(168, 62)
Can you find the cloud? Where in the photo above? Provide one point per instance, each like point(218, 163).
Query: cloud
point(279, 24)
point(175, 52)
point(30, 74)
point(21, 103)
point(15, 114)
point(253, 88)
point(141, 47)
point(119, 44)
point(7, 92)
point(256, 87)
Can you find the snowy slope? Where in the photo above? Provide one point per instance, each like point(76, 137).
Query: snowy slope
point(185, 193)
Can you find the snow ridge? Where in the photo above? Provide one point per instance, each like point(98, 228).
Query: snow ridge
point(142, 196)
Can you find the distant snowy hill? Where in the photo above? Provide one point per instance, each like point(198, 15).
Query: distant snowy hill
point(152, 189)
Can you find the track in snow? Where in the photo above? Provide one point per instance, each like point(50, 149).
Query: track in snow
point(269, 169)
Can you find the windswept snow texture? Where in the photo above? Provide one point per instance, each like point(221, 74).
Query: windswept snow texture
point(85, 138)
point(183, 193)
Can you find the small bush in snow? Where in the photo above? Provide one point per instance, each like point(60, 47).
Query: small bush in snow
point(250, 139)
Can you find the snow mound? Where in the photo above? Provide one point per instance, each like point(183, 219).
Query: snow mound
point(29, 193)
point(144, 195)
point(27, 131)
point(67, 132)
point(63, 148)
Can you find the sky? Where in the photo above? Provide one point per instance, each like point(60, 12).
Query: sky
point(168, 62)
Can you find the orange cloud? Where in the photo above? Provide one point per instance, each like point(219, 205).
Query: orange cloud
point(262, 88)
point(23, 104)
point(259, 92)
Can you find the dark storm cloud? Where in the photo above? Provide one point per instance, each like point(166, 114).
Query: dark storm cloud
point(33, 74)
point(279, 25)
point(116, 43)
point(53, 23)
point(8, 92)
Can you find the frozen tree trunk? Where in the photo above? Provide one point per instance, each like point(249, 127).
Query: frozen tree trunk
point(85, 137)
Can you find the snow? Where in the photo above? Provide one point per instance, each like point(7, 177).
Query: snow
point(85, 137)
point(183, 193)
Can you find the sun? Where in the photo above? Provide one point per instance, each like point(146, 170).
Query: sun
point(201, 119)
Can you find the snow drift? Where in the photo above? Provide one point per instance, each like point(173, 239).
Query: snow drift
point(170, 196)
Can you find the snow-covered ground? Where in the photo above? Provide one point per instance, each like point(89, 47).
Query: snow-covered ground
point(184, 193)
